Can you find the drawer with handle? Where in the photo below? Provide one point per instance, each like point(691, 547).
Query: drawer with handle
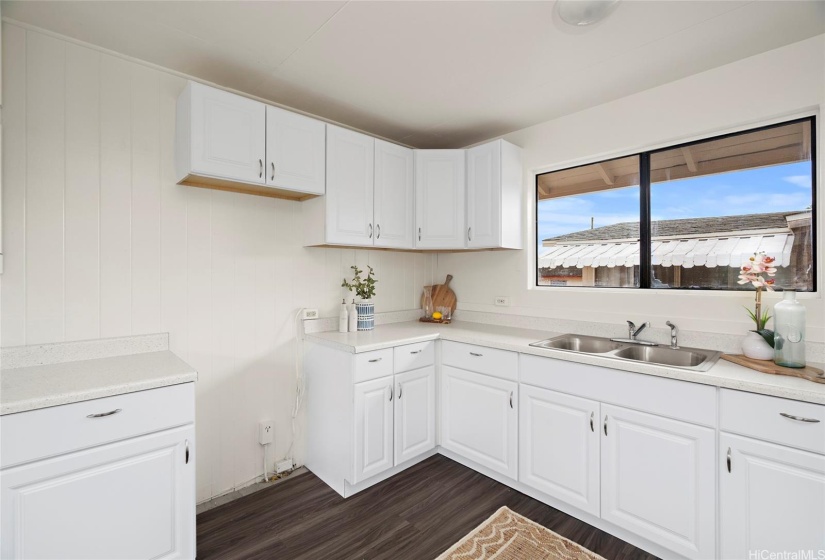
point(414, 356)
point(783, 421)
point(37, 434)
point(490, 361)
point(372, 365)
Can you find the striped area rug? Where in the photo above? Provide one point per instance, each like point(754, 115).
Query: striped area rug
point(507, 535)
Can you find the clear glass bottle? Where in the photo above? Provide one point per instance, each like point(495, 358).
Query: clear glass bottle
point(789, 326)
point(427, 303)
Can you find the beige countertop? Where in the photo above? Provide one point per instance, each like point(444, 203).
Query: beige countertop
point(722, 374)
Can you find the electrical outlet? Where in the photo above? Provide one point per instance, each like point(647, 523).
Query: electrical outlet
point(502, 301)
point(310, 313)
point(265, 432)
point(283, 466)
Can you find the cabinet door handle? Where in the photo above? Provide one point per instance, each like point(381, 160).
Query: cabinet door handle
point(415, 351)
point(372, 361)
point(400, 390)
point(378, 231)
point(370, 231)
point(419, 234)
point(728, 459)
point(511, 399)
point(799, 418)
point(469, 234)
point(390, 388)
point(260, 168)
point(104, 414)
point(187, 451)
point(476, 354)
point(273, 171)
point(605, 424)
point(592, 415)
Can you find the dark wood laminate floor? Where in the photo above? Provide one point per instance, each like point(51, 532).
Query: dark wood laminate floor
point(414, 515)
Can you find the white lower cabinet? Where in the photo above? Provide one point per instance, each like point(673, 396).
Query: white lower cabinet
point(373, 428)
point(658, 480)
point(559, 446)
point(414, 413)
point(479, 420)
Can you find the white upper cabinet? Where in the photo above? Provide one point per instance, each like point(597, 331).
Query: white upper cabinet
point(295, 151)
point(220, 135)
point(494, 196)
point(350, 173)
point(229, 142)
point(394, 196)
point(439, 199)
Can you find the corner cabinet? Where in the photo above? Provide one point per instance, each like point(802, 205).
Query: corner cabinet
point(494, 196)
point(439, 199)
point(229, 142)
point(117, 485)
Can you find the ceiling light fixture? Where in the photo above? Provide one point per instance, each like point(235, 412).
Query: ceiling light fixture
point(585, 12)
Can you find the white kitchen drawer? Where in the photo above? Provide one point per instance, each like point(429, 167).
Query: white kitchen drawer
point(372, 365)
point(491, 361)
point(414, 356)
point(761, 417)
point(37, 434)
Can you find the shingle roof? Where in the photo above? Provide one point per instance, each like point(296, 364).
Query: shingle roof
point(688, 226)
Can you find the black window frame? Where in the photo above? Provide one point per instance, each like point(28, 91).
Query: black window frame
point(645, 233)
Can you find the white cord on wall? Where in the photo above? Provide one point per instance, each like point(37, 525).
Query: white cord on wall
point(299, 381)
point(266, 476)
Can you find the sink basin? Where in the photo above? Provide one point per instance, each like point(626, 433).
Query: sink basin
point(683, 357)
point(580, 343)
point(694, 359)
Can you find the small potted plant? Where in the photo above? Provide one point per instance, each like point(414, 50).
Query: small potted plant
point(758, 343)
point(365, 289)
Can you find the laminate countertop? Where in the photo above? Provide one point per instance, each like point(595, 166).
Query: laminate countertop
point(722, 374)
point(41, 386)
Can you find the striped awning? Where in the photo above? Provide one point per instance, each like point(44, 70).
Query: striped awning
point(686, 253)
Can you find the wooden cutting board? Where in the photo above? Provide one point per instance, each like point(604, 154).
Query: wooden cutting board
point(442, 295)
point(808, 372)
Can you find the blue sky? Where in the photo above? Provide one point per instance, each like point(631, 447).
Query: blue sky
point(753, 191)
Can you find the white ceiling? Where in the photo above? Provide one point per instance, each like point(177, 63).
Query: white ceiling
point(430, 74)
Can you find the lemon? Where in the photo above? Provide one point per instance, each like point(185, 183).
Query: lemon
point(436, 315)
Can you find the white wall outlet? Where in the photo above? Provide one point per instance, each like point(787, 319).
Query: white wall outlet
point(502, 301)
point(265, 432)
point(283, 466)
point(310, 313)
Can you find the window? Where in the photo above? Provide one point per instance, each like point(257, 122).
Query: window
point(684, 217)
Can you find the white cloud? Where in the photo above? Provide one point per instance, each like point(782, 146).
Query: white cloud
point(801, 181)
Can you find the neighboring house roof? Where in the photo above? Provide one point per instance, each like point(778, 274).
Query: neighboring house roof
point(680, 228)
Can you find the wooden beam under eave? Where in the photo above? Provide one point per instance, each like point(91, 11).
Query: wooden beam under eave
point(690, 160)
point(605, 175)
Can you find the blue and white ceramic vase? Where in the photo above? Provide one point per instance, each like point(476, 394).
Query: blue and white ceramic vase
point(366, 315)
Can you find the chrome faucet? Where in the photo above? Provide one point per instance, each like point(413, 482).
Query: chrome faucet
point(632, 333)
point(673, 331)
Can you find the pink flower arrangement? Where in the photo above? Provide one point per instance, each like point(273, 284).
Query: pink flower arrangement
point(752, 273)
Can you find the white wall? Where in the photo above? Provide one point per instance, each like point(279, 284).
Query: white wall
point(750, 92)
point(100, 242)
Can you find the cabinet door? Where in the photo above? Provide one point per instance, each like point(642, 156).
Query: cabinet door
point(228, 135)
point(373, 428)
point(131, 499)
point(658, 480)
point(295, 151)
point(414, 413)
point(350, 173)
point(559, 446)
point(439, 199)
point(393, 196)
point(772, 500)
point(479, 420)
point(484, 195)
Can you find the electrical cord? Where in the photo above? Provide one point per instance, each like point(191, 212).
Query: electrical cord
point(299, 381)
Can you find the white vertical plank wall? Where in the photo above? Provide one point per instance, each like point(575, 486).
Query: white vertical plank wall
point(100, 242)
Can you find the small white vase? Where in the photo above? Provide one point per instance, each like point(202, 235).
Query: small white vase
point(754, 346)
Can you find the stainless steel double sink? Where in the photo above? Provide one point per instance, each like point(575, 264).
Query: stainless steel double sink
point(695, 359)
